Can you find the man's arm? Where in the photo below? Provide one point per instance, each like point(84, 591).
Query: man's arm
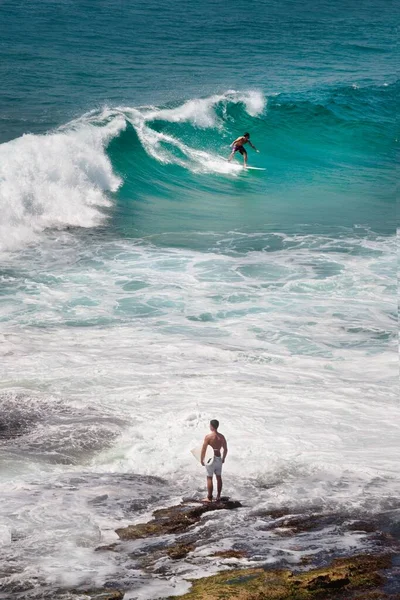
point(254, 148)
point(225, 449)
point(203, 450)
point(237, 140)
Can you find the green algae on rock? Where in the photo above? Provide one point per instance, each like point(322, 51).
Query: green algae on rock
point(339, 580)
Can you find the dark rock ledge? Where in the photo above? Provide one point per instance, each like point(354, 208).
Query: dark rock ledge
point(175, 519)
point(362, 577)
point(355, 578)
point(103, 594)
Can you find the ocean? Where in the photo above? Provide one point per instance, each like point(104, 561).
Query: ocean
point(147, 285)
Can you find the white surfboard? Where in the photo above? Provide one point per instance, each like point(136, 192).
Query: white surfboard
point(238, 166)
point(197, 454)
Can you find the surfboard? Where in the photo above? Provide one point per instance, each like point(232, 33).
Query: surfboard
point(197, 453)
point(235, 164)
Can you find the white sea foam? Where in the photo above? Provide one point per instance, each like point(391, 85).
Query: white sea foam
point(162, 147)
point(290, 349)
point(276, 344)
point(200, 113)
point(54, 181)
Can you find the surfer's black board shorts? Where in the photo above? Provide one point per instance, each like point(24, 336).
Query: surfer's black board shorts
point(239, 149)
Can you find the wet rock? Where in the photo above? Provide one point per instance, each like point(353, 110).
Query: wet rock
point(175, 519)
point(367, 526)
point(98, 499)
point(277, 514)
point(108, 548)
point(325, 582)
point(375, 595)
point(341, 580)
point(39, 591)
point(15, 418)
point(180, 551)
point(9, 570)
point(14, 585)
point(230, 554)
point(306, 560)
point(294, 524)
point(102, 594)
point(142, 530)
point(285, 522)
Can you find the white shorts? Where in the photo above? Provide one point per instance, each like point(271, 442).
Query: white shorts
point(214, 466)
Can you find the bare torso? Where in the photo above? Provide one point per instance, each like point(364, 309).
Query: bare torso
point(216, 441)
point(240, 141)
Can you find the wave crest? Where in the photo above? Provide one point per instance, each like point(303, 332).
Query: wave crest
point(54, 181)
point(201, 112)
point(61, 179)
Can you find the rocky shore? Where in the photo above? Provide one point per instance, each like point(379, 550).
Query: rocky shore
point(358, 577)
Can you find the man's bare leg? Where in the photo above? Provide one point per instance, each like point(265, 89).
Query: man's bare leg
point(231, 156)
point(219, 486)
point(245, 159)
point(209, 489)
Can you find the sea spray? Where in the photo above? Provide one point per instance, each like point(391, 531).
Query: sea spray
point(56, 180)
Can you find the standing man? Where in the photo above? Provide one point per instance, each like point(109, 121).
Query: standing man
point(214, 466)
point(237, 146)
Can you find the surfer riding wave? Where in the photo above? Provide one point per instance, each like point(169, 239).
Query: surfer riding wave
point(238, 146)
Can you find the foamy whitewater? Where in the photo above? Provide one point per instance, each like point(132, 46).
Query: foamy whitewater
point(124, 361)
point(148, 286)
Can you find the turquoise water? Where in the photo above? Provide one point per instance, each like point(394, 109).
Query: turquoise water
point(324, 122)
point(147, 285)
